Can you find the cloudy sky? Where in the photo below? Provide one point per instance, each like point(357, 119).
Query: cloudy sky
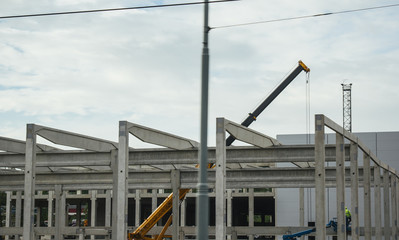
point(85, 72)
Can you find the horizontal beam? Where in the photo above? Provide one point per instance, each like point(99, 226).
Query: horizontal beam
point(294, 153)
point(243, 178)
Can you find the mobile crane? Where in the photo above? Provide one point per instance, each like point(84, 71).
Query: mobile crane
point(141, 232)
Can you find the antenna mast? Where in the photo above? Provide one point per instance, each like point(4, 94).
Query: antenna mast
point(347, 106)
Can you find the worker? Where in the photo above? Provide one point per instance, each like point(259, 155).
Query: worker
point(348, 215)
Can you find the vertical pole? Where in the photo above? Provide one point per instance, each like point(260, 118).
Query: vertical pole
point(183, 213)
point(154, 201)
point(394, 207)
point(302, 208)
point(220, 179)
point(93, 211)
point(8, 211)
point(50, 209)
point(60, 211)
point(377, 202)
point(138, 213)
point(107, 210)
point(354, 191)
point(251, 211)
point(397, 206)
point(367, 197)
point(387, 217)
point(119, 227)
point(229, 210)
point(340, 175)
point(18, 211)
point(202, 205)
point(175, 209)
point(29, 185)
point(320, 178)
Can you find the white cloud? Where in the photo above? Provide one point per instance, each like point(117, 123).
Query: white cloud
point(89, 70)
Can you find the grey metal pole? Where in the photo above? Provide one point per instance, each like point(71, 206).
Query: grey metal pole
point(202, 210)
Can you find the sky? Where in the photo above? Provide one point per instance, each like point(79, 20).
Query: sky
point(86, 72)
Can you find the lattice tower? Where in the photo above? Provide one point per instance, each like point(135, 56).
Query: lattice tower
point(347, 106)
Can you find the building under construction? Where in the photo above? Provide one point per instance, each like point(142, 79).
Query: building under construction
point(107, 189)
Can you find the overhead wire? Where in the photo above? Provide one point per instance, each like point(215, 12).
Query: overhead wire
point(305, 16)
point(110, 9)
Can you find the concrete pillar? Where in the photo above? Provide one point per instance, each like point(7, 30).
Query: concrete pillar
point(367, 196)
point(18, 211)
point(220, 184)
point(50, 209)
point(119, 226)
point(137, 216)
point(302, 208)
point(320, 182)
point(175, 209)
point(340, 175)
point(8, 211)
point(60, 215)
point(354, 191)
point(377, 203)
point(93, 210)
point(251, 211)
point(387, 217)
point(183, 213)
point(29, 183)
point(154, 201)
point(107, 210)
point(394, 208)
point(229, 214)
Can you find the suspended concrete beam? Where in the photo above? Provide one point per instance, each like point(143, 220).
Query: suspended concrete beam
point(18, 146)
point(249, 136)
point(160, 138)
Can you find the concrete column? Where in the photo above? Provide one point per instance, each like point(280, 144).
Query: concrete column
point(229, 214)
point(50, 209)
point(8, 212)
point(175, 209)
point(367, 197)
point(354, 191)
point(29, 183)
point(107, 210)
point(18, 211)
point(387, 217)
point(93, 210)
point(60, 215)
point(320, 182)
point(154, 202)
point(220, 184)
point(183, 213)
point(137, 216)
point(377, 202)
point(251, 211)
point(394, 208)
point(302, 208)
point(340, 175)
point(119, 227)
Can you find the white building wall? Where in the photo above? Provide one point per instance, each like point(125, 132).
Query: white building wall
point(385, 145)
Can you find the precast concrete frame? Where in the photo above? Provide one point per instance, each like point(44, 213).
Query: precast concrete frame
point(117, 167)
point(390, 179)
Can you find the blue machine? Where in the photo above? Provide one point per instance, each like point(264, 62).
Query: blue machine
point(332, 223)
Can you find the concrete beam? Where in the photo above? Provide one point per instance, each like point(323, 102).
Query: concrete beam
point(249, 136)
point(160, 138)
point(75, 140)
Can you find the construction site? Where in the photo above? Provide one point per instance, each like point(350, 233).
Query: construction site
point(111, 190)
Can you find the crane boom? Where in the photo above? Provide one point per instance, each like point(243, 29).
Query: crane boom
point(166, 205)
point(252, 116)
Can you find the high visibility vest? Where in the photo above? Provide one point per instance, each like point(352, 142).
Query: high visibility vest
point(347, 213)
